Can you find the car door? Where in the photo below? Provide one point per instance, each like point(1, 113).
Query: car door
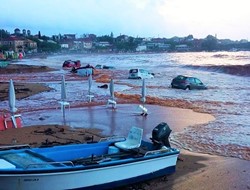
point(192, 84)
point(147, 74)
point(143, 73)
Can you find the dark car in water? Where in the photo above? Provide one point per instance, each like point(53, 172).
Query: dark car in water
point(71, 64)
point(187, 83)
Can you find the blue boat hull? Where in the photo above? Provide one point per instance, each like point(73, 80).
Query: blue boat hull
point(76, 167)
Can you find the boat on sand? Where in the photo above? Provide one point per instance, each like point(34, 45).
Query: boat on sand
point(111, 162)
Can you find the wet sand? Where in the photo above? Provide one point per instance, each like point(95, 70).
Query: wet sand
point(206, 172)
point(47, 135)
point(194, 170)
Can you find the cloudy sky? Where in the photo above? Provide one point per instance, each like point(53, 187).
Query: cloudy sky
point(143, 18)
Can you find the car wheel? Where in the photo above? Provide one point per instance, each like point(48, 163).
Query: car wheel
point(187, 88)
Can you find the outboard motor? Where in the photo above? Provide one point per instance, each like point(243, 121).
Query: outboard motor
point(160, 135)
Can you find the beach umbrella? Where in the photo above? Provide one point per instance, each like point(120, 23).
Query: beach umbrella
point(63, 89)
point(90, 80)
point(143, 92)
point(12, 102)
point(143, 98)
point(111, 89)
point(112, 94)
point(63, 101)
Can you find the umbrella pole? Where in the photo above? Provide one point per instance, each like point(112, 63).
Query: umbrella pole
point(143, 99)
point(89, 96)
point(64, 119)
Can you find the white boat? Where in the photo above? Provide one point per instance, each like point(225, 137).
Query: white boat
point(109, 163)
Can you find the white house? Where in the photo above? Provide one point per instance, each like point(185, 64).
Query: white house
point(141, 48)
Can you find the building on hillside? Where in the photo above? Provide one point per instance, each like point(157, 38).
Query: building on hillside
point(141, 48)
point(15, 44)
point(103, 44)
point(30, 46)
point(159, 40)
point(64, 45)
point(67, 44)
point(86, 43)
point(77, 45)
point(182, 47)
point(18, 44)
point(164, 47)
point(69, 36)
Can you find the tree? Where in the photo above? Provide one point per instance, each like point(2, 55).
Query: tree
point(4, 34)
point(4, 48)
point(48, 47)
point(105, 38)
point(44, 46)
point(129, 45)
point(210, 43)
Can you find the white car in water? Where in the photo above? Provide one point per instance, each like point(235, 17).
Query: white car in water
point(140, 74)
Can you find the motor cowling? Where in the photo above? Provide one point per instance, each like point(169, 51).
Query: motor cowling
point(160, 134)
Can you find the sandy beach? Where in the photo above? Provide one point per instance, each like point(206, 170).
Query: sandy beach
point(194, 170)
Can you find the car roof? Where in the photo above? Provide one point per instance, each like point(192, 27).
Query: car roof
point(139, 69)
point(184, 76)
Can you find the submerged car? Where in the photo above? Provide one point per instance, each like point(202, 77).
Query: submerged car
point(187, 83)
point(140, 74)
point(104, 67)
point(70, 64)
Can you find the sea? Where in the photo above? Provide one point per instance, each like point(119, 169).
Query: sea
point(226, 74)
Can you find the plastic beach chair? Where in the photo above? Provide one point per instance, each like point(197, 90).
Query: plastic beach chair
point(64, 104)
point(112, 102)
point(133, 140)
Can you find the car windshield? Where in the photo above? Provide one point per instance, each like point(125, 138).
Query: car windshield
point(133, 71)
point(198, 81)
point(142, 71)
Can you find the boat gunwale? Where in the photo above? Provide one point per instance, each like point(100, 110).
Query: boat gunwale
point(81, 167)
